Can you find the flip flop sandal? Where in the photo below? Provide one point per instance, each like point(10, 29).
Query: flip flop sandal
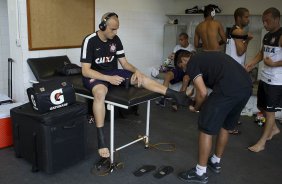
point(234, 132)
point(102, 167)
point(174, 107)
point(143, 170)
point(163, 171)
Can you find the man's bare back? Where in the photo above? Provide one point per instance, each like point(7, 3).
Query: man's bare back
point(211, 33)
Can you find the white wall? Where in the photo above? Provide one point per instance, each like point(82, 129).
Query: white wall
point(228, 6)
point(256, 8)
point(141, 28)
point(141, 31)
point(4, 47)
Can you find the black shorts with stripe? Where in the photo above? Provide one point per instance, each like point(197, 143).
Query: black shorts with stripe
point(269, 97)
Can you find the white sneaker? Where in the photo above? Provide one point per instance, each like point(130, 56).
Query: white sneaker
point(154, 72)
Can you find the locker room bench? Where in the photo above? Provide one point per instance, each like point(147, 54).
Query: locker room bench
point(44, 69)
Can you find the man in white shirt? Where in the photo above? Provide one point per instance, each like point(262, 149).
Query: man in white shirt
point(238, 38)
point(237, 41)
point(269, 96)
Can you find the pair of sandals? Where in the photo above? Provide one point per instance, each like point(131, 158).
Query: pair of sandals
point(103, 167)
point(234, 132)
point(159, 173)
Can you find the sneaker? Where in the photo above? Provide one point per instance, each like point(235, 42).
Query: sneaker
point(215, 167)
point(192, 176)
point(155, 72)
point(161, 102)
point(174, 107)
point(192, 10)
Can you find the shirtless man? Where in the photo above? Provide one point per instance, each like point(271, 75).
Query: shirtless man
point(208, 32)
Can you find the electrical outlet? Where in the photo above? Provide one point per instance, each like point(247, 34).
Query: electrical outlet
point(18, 42)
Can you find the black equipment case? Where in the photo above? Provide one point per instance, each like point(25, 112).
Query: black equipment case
point(50, 141)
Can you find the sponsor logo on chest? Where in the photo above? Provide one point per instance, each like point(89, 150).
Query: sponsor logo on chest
point(101, 60)
point(269, 49)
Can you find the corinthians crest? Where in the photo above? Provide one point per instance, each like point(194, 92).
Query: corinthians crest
point(113, 47)
point(272, 40)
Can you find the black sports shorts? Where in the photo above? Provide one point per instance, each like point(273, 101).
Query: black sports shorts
point(120, 72)
point(269, 97)
point(220, 111)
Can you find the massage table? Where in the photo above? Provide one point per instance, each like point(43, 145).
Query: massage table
point(44, 69)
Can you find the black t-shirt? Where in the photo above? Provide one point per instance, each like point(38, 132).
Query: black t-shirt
point(272, 39)
point(102, 55)
point(220, 72)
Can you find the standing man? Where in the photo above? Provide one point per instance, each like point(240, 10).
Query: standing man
point(208, 32)
point(219, 112)
point(238, 40)
point(269, 96)
point(100, 53)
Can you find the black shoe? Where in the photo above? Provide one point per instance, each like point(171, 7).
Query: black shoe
point(192, 176)
point(215, 167)
point(180, 97)
point(102, 167)
point(161, 102)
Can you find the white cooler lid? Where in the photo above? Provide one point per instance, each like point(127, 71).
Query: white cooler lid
point(4, 97)
point(5, 109)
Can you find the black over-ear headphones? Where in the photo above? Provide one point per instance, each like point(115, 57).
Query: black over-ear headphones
point(103, 24)
point(213, 12)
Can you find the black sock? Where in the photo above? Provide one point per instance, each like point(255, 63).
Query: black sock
point(180, 97)
point(101, 138)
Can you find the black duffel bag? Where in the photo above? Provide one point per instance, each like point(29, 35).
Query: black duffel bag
point(51, 95)
point(69, 69)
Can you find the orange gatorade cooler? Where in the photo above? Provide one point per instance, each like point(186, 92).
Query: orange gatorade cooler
point(6, 133)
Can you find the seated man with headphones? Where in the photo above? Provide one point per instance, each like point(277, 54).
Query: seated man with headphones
point(100, 53)
point(208, 31)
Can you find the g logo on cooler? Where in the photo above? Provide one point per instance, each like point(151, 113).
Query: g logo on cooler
point(57, 97)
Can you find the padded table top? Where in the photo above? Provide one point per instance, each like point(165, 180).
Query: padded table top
point(44, 69)
point(119, 94)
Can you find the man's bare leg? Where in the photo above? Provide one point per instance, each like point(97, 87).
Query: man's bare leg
point(99, 111)
point(205, 145)
point(152, 85)
point(221, 142)
point(275, 131)
point(167, 78)
point(268, 128)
